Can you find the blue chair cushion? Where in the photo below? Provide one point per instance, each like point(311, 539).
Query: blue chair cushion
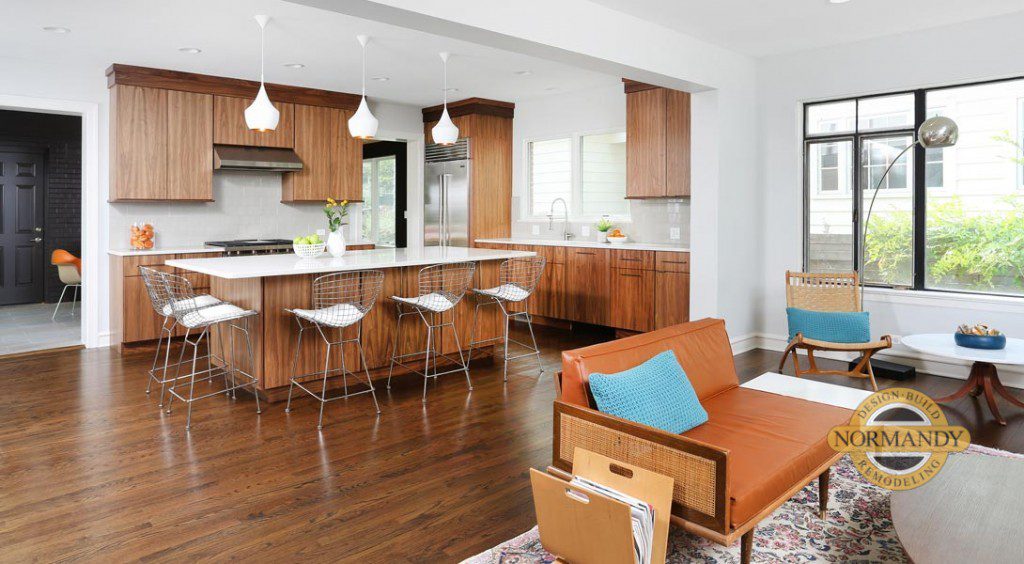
point(656, 393)
point(831, 326)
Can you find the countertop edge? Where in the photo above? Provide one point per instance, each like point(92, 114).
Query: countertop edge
point(586, 244)
point(327, 268)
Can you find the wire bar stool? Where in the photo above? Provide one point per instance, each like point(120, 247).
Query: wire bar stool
point(517, 279)
point(441, 288)
point(195, 319)
point(339, 301)
point(160, 299)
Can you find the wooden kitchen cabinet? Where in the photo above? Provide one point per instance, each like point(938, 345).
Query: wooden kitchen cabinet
point(189, 154)
point(587, 286)
point(332, 160)
point(657, 143)
point(633, 305)
point(160, 144)
point(138, 143)
point(229, 126)
point(671, 298)
point(549, 299)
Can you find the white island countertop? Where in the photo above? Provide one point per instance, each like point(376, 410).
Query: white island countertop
point(289, 264)
point(589, 244)
point(182, 250)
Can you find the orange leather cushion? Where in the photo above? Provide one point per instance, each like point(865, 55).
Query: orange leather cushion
point(702, 348)
point(774, 443)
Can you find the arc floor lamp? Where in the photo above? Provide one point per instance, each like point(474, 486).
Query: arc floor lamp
point(935, 133)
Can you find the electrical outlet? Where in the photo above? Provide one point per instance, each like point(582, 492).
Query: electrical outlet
point(673, 233)
point(535, 230)
point(586, 231)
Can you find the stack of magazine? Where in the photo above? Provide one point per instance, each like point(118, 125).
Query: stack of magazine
point(642, 514)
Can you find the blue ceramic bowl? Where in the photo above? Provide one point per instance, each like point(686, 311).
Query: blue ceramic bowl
point(988, 342)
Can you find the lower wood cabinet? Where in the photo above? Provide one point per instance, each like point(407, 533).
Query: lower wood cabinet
point(587, 285)
point(549, 298)
point(632, 299)
point(671, 298)
point(621, 288)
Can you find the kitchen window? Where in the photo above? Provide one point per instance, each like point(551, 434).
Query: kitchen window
point(945, 219)
point(587, 170)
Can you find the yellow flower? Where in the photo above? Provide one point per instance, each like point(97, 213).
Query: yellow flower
point(345, 203)
point(331, 201)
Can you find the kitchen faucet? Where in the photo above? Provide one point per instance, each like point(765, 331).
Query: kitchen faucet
point(566, 235)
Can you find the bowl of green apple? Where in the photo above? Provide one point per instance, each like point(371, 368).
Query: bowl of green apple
point(310, 246)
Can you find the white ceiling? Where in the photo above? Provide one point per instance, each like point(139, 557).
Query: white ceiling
point(766, 27)
point(150, 32)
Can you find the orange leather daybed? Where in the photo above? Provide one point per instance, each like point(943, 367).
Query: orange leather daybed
point(756, 450)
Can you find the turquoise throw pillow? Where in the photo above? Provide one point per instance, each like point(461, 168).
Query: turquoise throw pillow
point(831, 326)
point(656, 393)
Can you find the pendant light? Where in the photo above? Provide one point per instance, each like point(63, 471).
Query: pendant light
point(261, 115)
point(363, 125)
point(445, 132)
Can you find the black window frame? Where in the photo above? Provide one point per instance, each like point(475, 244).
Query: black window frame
point(919, 192)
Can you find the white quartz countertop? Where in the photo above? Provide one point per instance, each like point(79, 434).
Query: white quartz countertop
point(590, 244)
point(289, 264)
point(183, 250)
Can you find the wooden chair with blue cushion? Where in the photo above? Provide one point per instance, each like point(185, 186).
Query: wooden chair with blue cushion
point(824, 314)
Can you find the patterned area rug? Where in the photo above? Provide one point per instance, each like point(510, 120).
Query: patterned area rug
point(858, 529)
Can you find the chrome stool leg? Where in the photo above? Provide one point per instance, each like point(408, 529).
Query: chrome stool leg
point(295, 364)
point(533, 339)
point(366, 369)
point(192, 380)
point(394, 347)
point(252, 368)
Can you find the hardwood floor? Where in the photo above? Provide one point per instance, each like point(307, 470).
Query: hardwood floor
point(92, 470)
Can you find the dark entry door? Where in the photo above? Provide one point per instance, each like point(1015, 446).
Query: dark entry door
point(22, 186)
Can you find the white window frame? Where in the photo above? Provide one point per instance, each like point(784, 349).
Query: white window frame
point(576, 179)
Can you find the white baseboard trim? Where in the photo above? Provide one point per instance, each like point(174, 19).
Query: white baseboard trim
point(103, 340)
point(1012, 376)
point(745, 343)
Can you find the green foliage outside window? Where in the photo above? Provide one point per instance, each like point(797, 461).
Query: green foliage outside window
point(964, 251)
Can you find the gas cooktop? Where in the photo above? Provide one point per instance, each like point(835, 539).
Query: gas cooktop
point(252, 246)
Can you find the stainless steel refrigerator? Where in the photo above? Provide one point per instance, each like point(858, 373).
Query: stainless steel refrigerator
point(446, 195)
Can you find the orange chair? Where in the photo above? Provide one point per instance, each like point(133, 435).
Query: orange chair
point(69, 269)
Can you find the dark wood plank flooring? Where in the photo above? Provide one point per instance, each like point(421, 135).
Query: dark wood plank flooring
point(92, 470)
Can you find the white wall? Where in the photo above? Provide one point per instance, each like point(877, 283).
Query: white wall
point(584, 111)
point(978, 50)
point(726, 212)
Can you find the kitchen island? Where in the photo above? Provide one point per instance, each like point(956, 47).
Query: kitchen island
point(270, 283)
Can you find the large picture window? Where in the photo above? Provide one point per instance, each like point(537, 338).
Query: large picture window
point(587, 170)
point(944, 219)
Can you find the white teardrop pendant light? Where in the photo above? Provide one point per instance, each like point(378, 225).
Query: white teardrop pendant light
point(445, 132)
point(363, 125)
point(261, 115)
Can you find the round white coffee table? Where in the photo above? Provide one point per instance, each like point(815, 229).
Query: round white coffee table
point(984, 378)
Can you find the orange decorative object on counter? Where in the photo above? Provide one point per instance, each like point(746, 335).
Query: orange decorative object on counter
point(142, 236)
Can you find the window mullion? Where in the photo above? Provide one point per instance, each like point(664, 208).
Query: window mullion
point(919, 206)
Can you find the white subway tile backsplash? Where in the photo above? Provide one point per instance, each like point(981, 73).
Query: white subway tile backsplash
point(651, 221)
point(246, 205)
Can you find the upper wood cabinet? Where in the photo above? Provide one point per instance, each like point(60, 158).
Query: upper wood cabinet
point(332, 160)
point(230, 128)
point(657, 142)
point(160, 144)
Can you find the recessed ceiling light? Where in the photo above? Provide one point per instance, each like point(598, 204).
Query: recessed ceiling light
point(381, 78)
point(295, 65)
point(56, 29)
point(524, 72)
point(838, 1)
point(190, 50)
point(453, 90)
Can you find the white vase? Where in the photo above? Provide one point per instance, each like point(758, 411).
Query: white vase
point(336, 243)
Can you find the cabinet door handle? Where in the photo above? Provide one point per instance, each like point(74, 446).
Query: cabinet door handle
point(582, 253)
point(674, 261)
point(629, 275)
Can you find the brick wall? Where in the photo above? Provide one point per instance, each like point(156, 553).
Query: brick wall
point(61, 136)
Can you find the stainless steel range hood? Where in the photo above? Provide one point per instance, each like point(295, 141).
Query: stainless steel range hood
point(233, 157)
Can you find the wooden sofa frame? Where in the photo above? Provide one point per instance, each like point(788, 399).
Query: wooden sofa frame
point(700, 494)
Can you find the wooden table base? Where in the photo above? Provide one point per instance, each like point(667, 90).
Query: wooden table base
point(984, 379)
